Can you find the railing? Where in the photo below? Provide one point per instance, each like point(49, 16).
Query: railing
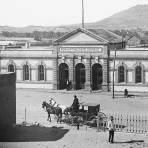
point(127, 123)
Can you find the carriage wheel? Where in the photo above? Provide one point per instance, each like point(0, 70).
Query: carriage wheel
point(91, 117)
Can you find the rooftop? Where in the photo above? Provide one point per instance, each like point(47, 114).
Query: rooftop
point(107, 35)
point(102, 35)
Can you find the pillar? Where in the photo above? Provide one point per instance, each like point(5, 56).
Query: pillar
point(105, 75)
point(73, 71)
point(88, 74)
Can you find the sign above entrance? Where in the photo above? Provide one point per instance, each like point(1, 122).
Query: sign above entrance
point(81, 49)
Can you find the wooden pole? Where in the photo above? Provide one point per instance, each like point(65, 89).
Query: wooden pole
point(114, 74)
point(57, 70)
point(74, 72)
point(86, 121)
point(25, 114)
point(90, 74)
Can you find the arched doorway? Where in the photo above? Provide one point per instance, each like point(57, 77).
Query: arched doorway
point(80, 76)
point(96, 76)
point(63, 75)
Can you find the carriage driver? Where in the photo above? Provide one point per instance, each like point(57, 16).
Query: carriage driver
point(58, 106)
point(75, 104)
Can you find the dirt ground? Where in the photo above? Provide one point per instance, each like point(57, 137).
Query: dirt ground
point(85, 137)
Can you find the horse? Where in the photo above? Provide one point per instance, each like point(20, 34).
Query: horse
point(57, 111)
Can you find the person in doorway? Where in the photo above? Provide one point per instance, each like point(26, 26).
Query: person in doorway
point(111, 128)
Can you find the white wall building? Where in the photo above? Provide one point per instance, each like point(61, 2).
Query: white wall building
point(82, 57)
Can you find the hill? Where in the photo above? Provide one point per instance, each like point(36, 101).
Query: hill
point(132, 18)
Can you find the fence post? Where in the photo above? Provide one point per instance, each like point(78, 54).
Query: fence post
point(118, 122)
point(133, 123)
point(86, 120)
point(145, 124)
point(127, 122)
point(139, 124)
point(136, 123)
point(130, 119)
point(25, 116)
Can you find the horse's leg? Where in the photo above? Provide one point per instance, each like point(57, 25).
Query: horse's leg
point(49, 117)
point(60, 118)
point(57, 118)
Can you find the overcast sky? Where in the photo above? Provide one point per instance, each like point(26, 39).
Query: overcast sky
point(59, 12)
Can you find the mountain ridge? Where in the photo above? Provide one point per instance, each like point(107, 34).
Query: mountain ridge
point(131, 18)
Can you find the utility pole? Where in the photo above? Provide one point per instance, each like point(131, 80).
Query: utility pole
point(114, 74)
point(82, 14)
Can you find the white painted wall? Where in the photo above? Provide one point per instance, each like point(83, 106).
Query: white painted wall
point(19, 75)
point(130, 76)
point(49, 75)
point(146, 76)
point(131, 88)
point(34, 75)
point(49, 63)
point(42, 86)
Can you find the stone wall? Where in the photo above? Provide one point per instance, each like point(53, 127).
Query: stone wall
point(7, 99)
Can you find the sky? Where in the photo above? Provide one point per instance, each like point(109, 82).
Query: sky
point(20, 13)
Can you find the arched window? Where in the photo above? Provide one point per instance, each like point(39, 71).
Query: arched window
point(121, 76)
point(41, 75)
point(138, 74)
point(25, 72)
point(10, 68)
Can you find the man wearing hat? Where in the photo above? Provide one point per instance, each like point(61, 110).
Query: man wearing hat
point(75, 104)
point(111, 128)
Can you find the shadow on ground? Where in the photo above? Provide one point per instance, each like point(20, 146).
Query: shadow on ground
point(31, 133)
point(131, 141)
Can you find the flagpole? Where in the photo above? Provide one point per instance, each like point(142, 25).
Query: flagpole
point(82, 14)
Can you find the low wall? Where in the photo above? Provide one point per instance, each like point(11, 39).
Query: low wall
point(41, 86)
point(7, 99)
point(131, 88)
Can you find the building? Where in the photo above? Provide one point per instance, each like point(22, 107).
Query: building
point(33, 66)
point(133, 41)
point(81, 59)
point(131, 69)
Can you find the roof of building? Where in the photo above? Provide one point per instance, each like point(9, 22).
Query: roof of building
point(102, 35)
point(131, 37)
point(107, 35)
point(35, 48)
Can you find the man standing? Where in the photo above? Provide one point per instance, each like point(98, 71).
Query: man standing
point(75, 104)
point(111, 128)
point(125, 93)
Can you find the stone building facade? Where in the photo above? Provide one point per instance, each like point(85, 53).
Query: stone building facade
point(33, 66)
point(81, 59)
point(131, 69)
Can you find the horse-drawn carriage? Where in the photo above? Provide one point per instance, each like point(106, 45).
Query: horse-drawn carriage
point(88, 112)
